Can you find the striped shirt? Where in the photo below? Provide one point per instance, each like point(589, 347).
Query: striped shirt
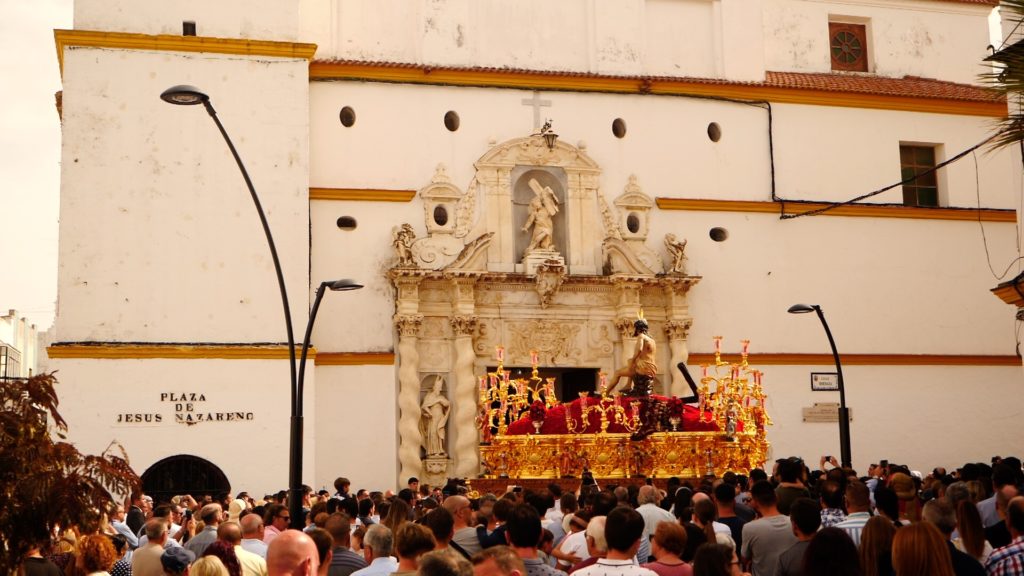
point(1008, 560)
point(345, 562)
point(854, 525)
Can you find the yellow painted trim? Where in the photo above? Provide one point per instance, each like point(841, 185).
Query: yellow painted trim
point(526, 80)
point(355, 359)
point(170, 351)
point(853, 210)
point(167, 42)
point(863, 359)
point(361, 195)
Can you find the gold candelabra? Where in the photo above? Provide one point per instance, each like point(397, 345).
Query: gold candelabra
point(732, 393)
point(610, 408)
point(504, 399)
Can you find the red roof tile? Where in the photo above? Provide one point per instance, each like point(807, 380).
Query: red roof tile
point(908, 86)
point(851, 83)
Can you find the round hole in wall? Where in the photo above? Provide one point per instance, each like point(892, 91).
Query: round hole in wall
point(440, 215)
point(347, 223)
point(718, 234)
point(347, 116)
point(714, 132)
point(633, 223)
point(619, 128)
point(451, 120)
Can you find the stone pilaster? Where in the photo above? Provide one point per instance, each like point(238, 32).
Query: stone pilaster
point(409, 435)
point(464, 399)
point(676, 331)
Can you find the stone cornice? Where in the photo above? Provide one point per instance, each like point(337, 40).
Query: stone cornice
point(173, 350)
point(173, 43)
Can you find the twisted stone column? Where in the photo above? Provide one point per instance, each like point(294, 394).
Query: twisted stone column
point(464, 399)
point(677, 330)
point(409, 435)
point(625, 328)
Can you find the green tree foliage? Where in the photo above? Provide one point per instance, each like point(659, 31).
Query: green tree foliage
point(45, 482)
point(1008, 75)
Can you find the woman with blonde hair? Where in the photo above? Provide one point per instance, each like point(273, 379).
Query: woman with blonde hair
point(972, 534)
point(398, 514)
point(96, 555)
point(208, 566)
point(920, 550)
point(876, 546)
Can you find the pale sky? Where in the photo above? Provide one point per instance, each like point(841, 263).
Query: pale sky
point(29, 156)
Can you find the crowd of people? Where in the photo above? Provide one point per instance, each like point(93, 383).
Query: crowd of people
point(795, 521)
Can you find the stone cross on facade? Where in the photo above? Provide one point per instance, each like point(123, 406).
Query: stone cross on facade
point(536, 103)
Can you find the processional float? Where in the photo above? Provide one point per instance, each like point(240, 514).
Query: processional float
point(526, 432)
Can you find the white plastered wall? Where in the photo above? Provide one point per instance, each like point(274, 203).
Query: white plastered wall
point(943, 40)
point(253, 19)
point(253, 454)
point(703, 38)
point(159, 239)
point(356, 432)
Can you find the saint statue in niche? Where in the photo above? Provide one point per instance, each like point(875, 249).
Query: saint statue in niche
point(542, 209)
point(434, 419)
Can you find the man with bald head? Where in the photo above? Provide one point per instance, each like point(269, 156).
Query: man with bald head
point(465, 529)
point(998, 535)
point(252, 534)
point(292, 553)
point(252, 564)
point(1009, 560)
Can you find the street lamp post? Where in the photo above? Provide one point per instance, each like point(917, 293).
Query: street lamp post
point(189, 96)
point(844, 412)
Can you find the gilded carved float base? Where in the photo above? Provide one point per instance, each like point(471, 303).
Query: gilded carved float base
point(662, 454)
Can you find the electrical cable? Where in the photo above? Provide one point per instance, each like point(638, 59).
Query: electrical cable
point(984, 238)
point(833, 205)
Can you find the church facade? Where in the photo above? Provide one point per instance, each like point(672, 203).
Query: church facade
point(529, 177)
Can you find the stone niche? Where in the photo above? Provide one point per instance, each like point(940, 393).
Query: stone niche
point(467, 288)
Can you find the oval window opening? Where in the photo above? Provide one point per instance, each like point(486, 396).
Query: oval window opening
point(633, 223)
point(451, 120)
point(714, 132)
point(347, 223)
point(619, 128)
point(719, 234)
point(347, 116)
point(440, 215)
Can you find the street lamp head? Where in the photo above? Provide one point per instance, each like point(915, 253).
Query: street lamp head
point(184, 95)
point(343, 285)
point(802, 308)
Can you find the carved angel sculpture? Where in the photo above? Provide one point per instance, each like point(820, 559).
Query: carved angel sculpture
point(676, 250)
point(402, 239)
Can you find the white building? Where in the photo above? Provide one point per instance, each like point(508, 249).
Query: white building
point(707, 119)
point(19, 346)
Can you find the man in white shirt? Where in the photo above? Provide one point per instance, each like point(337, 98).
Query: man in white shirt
point(377, 546)
point(652, 513)
point(573, 548)
point(624, 527)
